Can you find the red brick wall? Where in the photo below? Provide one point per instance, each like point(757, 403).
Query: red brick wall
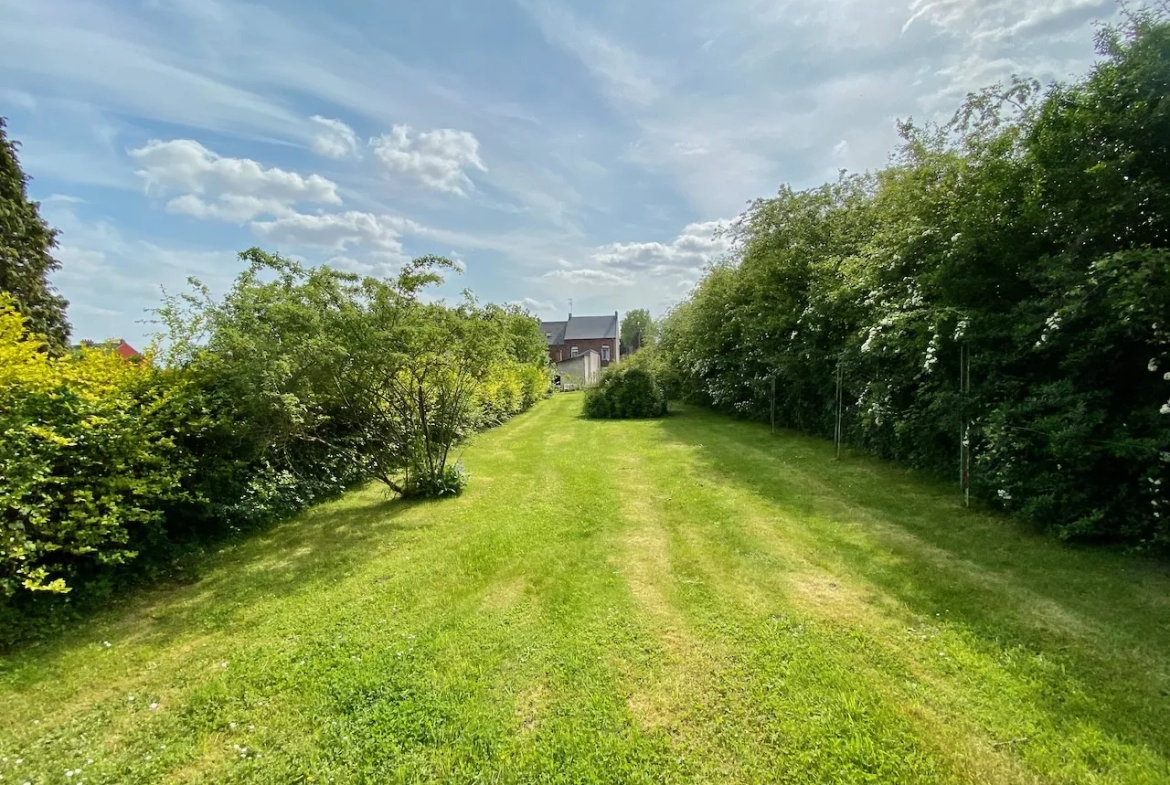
point(583, 345)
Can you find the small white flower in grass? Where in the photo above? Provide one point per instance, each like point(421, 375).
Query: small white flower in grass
point(107, 644)
point(1165, 408)
point(251, 727)
point(223, 665)
point(1153, 366)
point(89, 761)
point(232, 725)
point(154, 707)
point(130, 699)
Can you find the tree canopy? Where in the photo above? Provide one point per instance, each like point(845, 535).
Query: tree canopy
point(26, 245)
point(637, 329)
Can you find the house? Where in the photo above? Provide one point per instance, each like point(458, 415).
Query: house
point(579, 371)
point(579, 334)
point(118, 346)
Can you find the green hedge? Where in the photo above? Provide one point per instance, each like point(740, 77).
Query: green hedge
point(625, 391)
point(1020, 248)
point(113, 471)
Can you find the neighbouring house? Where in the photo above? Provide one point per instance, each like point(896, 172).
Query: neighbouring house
point(579, 334)
point(579, 371)
point(123, 349)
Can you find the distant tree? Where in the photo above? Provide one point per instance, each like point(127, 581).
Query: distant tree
point(637, 329)
point(26, 242)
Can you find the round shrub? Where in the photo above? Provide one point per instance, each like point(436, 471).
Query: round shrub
point(625, 392)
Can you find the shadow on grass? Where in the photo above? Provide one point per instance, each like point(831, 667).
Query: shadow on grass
point(1103, 614)
point(280, 559)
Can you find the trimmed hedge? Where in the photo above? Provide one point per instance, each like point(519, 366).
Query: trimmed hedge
point(625, 392)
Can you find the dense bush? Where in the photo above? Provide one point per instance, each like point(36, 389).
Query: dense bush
point(297, 384)
point(85, 466)
point(1027, 240)
point(625, 391)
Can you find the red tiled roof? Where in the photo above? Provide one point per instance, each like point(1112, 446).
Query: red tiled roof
point(126, 350)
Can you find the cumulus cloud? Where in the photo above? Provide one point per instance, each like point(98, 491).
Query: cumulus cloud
point(641, 274)
point(184, 165)
point(438, 159)
point(340, 232)
point(694, 247)
point(334, 139)
point(232, 208)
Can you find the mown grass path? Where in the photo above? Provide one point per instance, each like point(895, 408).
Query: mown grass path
point(684, 600)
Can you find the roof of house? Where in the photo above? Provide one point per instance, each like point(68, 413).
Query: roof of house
point(126, 350)
point(554, 332)
point(579, 356)
point(586, 328)
point(117, 345)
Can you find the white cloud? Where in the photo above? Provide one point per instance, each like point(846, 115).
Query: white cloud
point(695, 246)
point(340, 232)
point(639, 275)
point(187, 166)
point(233, 208)
point(438, 159)
point(535, 306)
point(626, 77)
point(334, 139)
point(590, 277)
point(998, 19)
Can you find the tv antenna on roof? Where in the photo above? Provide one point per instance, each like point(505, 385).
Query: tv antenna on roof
point(570, 306)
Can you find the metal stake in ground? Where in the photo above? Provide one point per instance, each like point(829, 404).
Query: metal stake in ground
point(837, 435)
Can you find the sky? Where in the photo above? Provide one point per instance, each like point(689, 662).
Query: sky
point(583, 149)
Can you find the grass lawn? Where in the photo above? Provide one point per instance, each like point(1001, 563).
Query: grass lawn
point(683, 600)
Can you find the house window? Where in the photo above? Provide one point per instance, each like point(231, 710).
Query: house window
point(605, 353)
point(573, 352)
point(548, 336)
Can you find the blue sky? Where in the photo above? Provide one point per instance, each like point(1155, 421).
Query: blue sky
point(558, 149)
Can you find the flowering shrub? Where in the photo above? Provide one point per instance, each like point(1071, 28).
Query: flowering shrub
point(1000, 291)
